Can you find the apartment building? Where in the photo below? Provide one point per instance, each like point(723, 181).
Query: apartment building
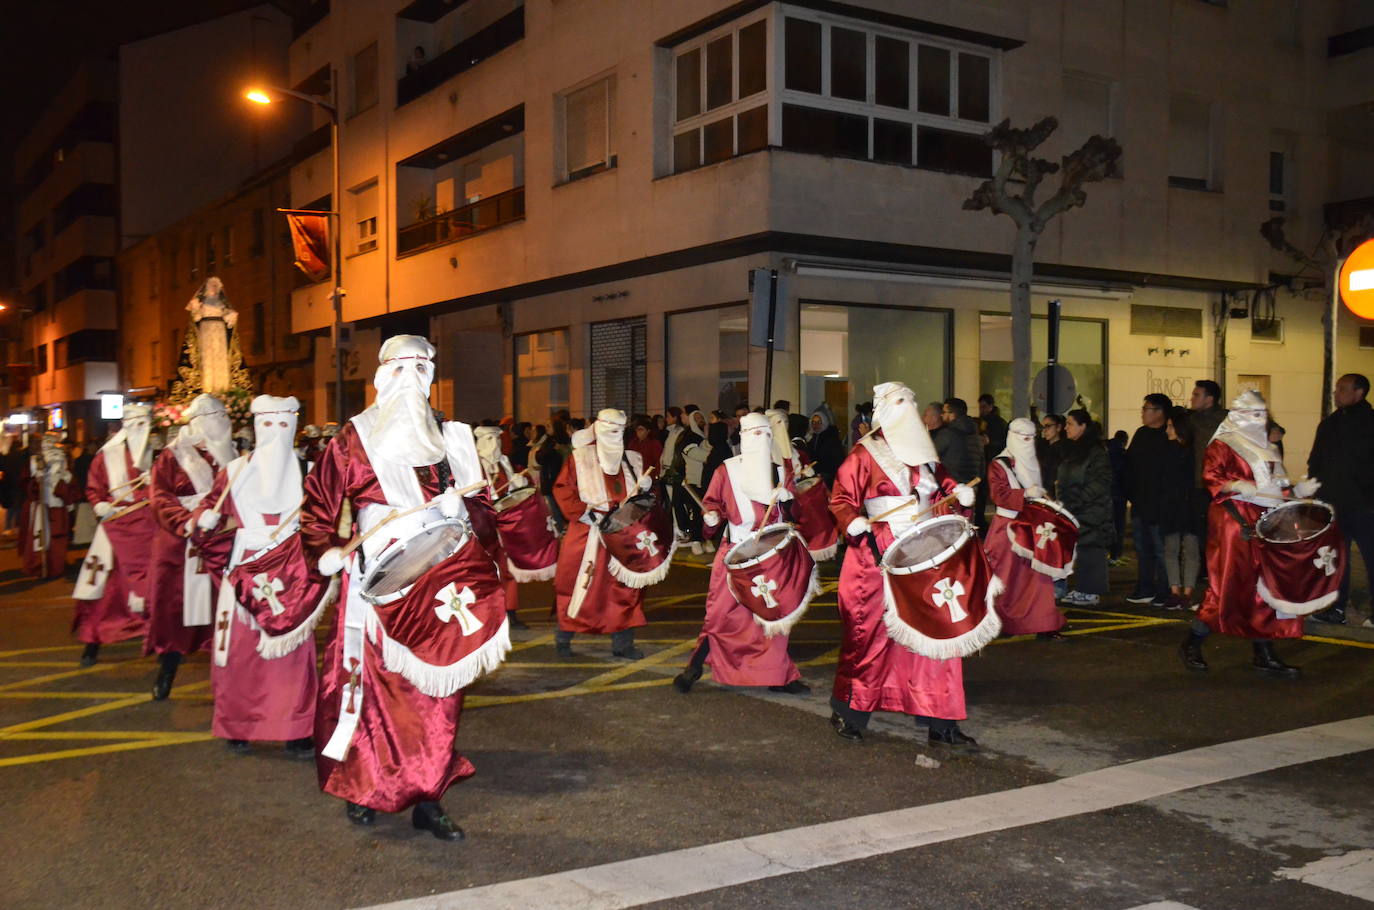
point(568, 195)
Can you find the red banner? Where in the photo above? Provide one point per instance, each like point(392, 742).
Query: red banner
point(310, 240)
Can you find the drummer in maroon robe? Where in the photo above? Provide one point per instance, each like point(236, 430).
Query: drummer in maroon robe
point(112, 586)
point(1027, 602)
point(594, 481)
point(264, 687)
point(180, 590)
point(383, 744)
point(49, 496)
point(1244, 474)
point(744, 490)
point(501, 479)
point(894, 464)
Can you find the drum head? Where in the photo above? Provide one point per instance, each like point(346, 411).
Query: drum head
point(513, 499)
point(1293, 522)
point(807, 483)
point(629, 512)
point(758, 546)
point(926, 544)
point(403, 563)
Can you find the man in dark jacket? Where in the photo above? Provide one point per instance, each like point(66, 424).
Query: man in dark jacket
point(994, 427)
point(1144, 456)
point(963, 452)
point(1341, 457)
point(1206, 415)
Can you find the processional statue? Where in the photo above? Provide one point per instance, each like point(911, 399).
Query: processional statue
point(211, 360)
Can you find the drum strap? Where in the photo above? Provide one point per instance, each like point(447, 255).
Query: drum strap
point(1012, 481)
point(1247, 530)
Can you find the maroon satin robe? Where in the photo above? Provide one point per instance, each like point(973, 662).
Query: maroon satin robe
point(167, 630)
point(609, 605)
point(52, 561)
point(1232, 605)
point(108, 618)
point(874, 672)
point(740, 655)
point(402, 752)
point(1027, 602)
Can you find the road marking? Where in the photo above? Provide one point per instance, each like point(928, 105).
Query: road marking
point(100, 750)
point(1352, 874)
point(695, 870)
point(132, 700)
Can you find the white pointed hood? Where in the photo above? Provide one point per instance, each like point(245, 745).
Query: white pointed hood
point(1021, 450)
point(896, 414)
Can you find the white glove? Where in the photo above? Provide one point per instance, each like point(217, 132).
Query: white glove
point(783, 496)
point(645, 482)
point(1272, 492)
point(1035, 492)
point(1305, 489)
point(56, 503)
point(965, 494)
point(710, 519)
point(858, 527)
point(519, 482)
point(102, 509)
point(807, 471)
point(450, 504)
point(208, 521)
point(1242, 487)
point(331, 563)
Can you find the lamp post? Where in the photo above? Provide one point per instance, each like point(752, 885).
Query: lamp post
point(330, 106)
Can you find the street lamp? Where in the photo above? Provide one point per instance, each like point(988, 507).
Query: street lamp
point(330, 105)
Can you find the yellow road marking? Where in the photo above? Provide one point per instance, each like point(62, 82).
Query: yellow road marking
point(41, 722)
point(532, 643)
point(829, 657)
point(660, 657)
point(52, 677)
point(36, 664)
point(110, 734)
point(96, 750)
point(488, 701)
point(1339, 641)
point(71, 647)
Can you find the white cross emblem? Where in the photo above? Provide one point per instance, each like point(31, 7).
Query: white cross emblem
point(1326, 560)
point(266, 588)
point(947, 594)
point(764, 587)
point(647, 541)
point(1043, 535)
point(453, 604)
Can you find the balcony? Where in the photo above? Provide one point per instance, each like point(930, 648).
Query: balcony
point(1348, 213)
point(462, 57)
point(482, 215)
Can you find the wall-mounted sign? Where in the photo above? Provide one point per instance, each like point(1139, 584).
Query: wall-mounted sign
point(1357, 281)
point(111, 406)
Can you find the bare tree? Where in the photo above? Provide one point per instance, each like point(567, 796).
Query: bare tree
point(1337, 241)
point(1091, 162)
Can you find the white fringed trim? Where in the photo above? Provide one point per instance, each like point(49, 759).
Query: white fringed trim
point(783, 626)
point(943, 648)
point(524, 576)
point(1302, 609)
point(642, 579)
point(827, 553)
point(136, 603)
point(271, 647)
point(1037, 565)
point(441, 682)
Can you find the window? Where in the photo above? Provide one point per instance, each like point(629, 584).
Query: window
point(891, 72)
point(720, 105)
point(363, 200)
point(40, 359)
point(619, 358)
point(367, 234)
point(259, 328)
point(1281, 147)
point(803, 55)
point(588, 130)
point(1088, 110)
point(1269, 331)
point(1182, 322)
point(1190, 143)
point(708, 357)
point(1082, 345)
point(363, 77)
point(542, 367)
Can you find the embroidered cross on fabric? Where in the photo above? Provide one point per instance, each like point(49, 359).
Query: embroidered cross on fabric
point(764, 588)
point(647, 541)
point(355, 682)
point(265, 589)
point(96, 566)
point(1326, 560)
point(1044, 534)
point(947, 593)
point(453, 604)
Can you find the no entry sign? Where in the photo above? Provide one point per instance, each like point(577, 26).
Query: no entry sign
point(1357, 281)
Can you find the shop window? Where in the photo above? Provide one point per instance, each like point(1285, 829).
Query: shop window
point(707, 353)
point(542, 367)
point(1082, 343)
point(619, 358)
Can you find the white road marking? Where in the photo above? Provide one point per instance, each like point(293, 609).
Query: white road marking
point(1352, 874)
point(679, 873)
point(1165, 905)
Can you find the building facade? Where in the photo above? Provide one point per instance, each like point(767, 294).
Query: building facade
point(569, 197)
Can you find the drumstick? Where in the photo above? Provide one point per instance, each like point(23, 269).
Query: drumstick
point(358, 541)
point(692, 493)
point(928, 509)
point(506, 482)
point(140, 479)
point(286, 521)
point(127, 509)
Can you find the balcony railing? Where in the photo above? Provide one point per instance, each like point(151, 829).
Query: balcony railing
point(482, 215)
point(463, 56)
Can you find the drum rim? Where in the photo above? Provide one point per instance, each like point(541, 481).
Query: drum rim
point(1054, 506)
point(281, 539)
point(755, 560)
point(398, 546)
point(1330, 520)
point(530, 490)
point(938, 558)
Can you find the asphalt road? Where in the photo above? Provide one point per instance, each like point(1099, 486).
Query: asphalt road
point(1110, 778)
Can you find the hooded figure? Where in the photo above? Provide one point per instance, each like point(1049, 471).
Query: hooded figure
point(892, 468)
point(264, 686)
point(112, 586)
point(1245, 476)
point(502, 479)
point(46, 528)
point(1027, 603)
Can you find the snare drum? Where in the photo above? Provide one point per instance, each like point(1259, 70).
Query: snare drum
point(772, 575)
point(406, 561)
point(1046, 534)
point(640, 539)
point(1299, 551)
point(811, 508)
point(939, 590)
point(527, 534)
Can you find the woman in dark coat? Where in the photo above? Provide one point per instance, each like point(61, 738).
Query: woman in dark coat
point(1084, 486)
point(1178, 523)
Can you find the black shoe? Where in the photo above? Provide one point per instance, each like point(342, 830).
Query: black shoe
point(845, 731)
point(564, 651)
point(1190, 652)
point(302, 749)
point(360, 815)
point(238, 746)
point(515, 621)
point(629, 653)
point(1335, 616)
point(90, 654)
point(1160, 602)
point(953, 738)
point(684, 680)
point(167, 672)
point(431, 817)
point(1267, 663)
point(795, 687)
